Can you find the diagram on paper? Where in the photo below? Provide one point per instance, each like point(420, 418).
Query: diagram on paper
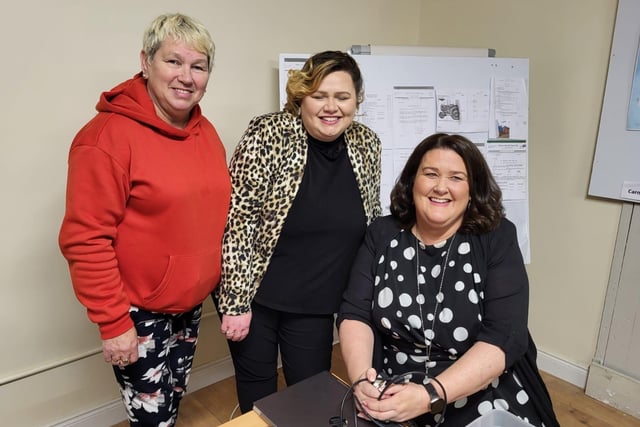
point(462, 111)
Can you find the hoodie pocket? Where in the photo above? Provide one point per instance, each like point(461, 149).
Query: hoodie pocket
point(187, 281)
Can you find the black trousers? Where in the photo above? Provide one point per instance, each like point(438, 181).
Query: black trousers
point(304, 341)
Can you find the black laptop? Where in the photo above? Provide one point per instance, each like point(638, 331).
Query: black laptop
point(314, 402)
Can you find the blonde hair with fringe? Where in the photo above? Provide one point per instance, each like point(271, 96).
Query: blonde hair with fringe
point(178, 27)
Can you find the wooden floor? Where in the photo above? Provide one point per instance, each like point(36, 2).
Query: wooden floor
point(215, 404)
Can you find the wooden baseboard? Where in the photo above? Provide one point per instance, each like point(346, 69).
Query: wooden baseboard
point(562, 369)
point(113, 412)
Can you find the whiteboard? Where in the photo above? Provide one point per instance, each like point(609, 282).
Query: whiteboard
point(615, 172)
point(472, 79)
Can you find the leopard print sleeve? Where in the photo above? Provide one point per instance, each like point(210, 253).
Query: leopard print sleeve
point(249, 169)
point(266, 170)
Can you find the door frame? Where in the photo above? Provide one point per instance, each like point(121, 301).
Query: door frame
point(605, 383)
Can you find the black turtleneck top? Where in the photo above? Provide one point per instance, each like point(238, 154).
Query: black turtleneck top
point(322, 233)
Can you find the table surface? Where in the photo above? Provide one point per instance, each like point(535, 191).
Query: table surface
point(250, 419)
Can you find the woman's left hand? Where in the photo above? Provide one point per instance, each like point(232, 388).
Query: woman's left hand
point(405, 402)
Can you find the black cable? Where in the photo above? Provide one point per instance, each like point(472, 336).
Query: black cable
point(357, 404)
point(388, 381)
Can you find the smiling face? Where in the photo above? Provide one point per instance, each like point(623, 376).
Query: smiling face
point(440, 193)
point(177, 78)
point(328, 111)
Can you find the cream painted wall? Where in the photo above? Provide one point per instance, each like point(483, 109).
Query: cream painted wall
point(572, 236)
point(58, 56)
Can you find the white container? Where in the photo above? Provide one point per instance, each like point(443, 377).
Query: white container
point(498, 418)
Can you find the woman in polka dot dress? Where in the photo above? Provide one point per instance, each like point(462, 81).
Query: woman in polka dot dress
point(439, 288)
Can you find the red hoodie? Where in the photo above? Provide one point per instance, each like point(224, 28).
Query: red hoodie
point(145, 211)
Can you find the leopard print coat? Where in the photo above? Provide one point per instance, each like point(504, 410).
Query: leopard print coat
point(266, 171)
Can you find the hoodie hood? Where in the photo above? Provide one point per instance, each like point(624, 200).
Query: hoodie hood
point(131, 99)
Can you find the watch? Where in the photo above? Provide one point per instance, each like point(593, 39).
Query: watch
point(437, 403)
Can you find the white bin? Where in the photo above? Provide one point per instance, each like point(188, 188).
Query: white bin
point(498, 418)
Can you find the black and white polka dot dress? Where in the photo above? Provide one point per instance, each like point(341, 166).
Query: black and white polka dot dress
point(430, 304)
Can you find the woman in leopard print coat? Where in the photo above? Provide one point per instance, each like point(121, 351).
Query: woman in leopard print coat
point(305, 184)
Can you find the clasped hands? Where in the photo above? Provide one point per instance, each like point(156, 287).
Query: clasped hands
point(399, 402)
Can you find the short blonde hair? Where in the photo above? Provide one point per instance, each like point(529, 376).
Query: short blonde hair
point(178, 27)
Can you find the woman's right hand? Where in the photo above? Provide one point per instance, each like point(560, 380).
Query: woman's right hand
point(235, 328)
point(121, 350)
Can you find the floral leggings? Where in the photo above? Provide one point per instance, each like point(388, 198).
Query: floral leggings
point(152, 387)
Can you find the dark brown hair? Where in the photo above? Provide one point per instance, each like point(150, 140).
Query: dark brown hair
point(485, 206)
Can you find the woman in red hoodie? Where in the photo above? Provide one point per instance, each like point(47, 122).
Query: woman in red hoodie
point(147, 197)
